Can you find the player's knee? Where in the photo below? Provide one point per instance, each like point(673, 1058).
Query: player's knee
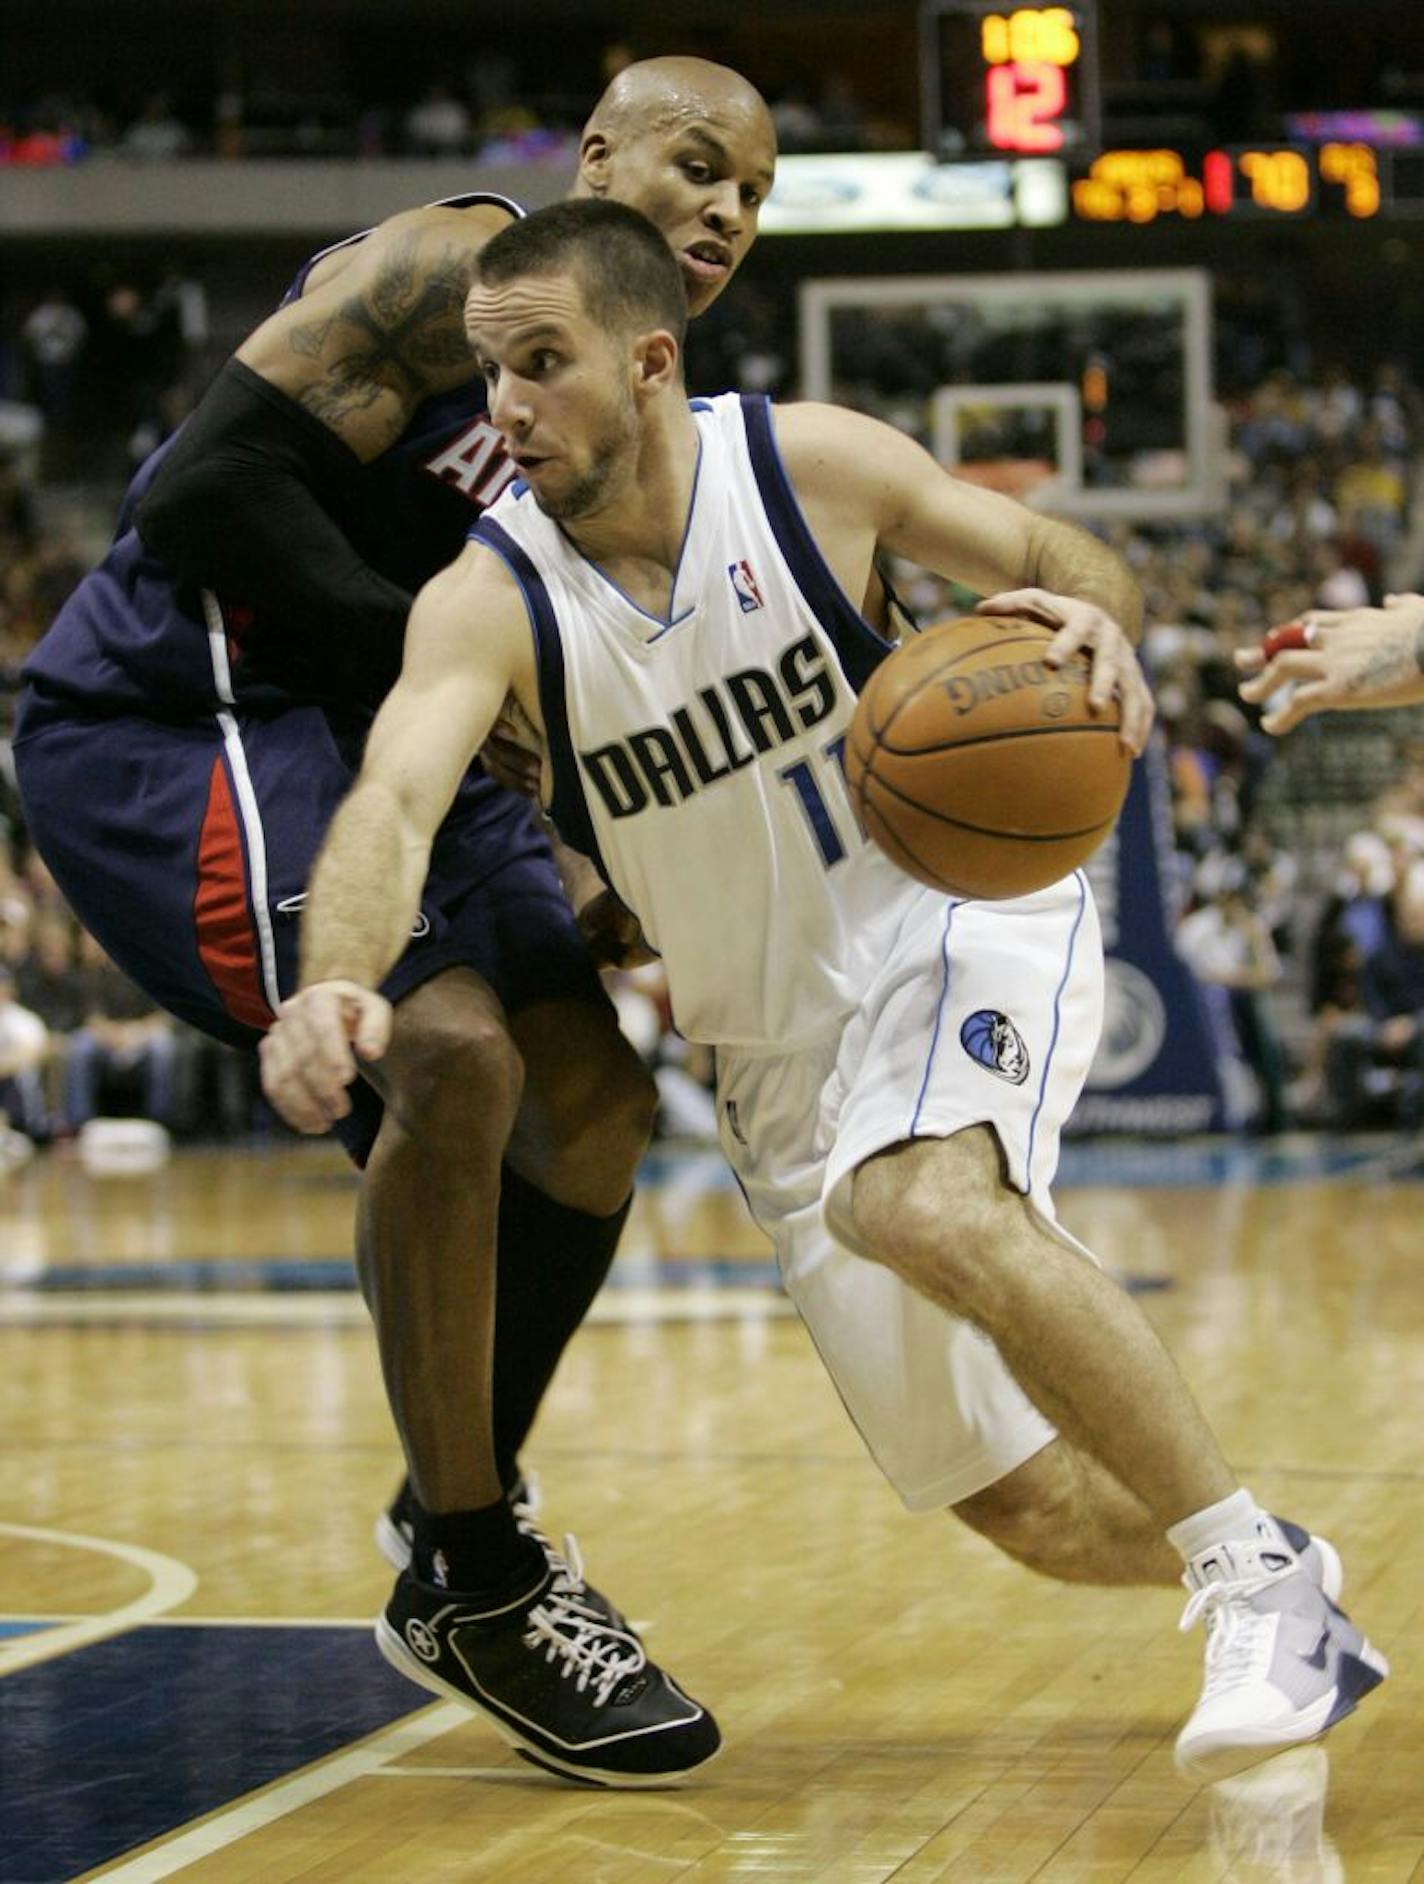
point(628, 1107)
point(1033, 1513)
point(453, 1075)
point(934, 1210)
point(599, 1120)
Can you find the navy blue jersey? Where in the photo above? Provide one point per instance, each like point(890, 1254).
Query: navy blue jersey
point(132, 637)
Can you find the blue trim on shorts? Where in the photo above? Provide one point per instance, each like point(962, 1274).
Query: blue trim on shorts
point(949, 909)
point(1053, 1038)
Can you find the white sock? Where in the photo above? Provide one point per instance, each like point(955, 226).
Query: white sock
point(1238, 1517)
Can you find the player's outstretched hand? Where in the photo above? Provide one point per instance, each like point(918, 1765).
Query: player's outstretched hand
point(1082, 625)
point(310, 1056)
point(1334, 659)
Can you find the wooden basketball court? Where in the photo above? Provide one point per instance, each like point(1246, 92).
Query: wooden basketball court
point(195, 1446)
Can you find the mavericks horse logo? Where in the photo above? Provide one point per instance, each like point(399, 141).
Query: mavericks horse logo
point(992, 1039)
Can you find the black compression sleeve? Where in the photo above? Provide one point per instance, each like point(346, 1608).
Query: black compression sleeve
point(246, 503)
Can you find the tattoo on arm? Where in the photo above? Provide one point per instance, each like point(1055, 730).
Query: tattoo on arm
point(310, 339)
point(402, 333)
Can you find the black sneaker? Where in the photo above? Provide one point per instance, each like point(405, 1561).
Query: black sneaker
point(567, 1691)
point(395, 1528)
point(395, 1539)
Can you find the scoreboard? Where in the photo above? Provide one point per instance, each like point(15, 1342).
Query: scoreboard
point(1341, 178)
point(1021, 82)
point(1006, 81)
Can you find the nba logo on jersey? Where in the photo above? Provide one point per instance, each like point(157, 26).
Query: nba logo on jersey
point(745, 585)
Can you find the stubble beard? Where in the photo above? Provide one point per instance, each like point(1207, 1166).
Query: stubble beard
point(610, 450)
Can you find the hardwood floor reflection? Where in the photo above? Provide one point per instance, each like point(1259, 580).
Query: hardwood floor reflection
point(897, 1701)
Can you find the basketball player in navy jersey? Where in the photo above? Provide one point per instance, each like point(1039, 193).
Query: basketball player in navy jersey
point(197, 712)
point(667, 593)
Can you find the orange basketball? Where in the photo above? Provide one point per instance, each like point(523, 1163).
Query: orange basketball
point(979, 770)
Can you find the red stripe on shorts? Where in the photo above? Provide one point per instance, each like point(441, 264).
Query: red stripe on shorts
point(227, 938)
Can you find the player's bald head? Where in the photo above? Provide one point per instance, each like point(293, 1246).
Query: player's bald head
point(661, 94)
point(691, 145)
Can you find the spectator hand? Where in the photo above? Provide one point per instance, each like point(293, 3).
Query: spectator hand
point(310, 1055)
point(1080, 626)
point(1397, 1032)
point(1357, 657)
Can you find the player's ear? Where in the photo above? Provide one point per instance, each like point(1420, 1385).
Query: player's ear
point(658, 360)
point(595, 157)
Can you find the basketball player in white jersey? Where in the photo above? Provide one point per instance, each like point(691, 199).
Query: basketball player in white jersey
point(665, 593)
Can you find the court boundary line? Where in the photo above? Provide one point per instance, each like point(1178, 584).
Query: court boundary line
point(193, 1622)
point(171, 1582)
point(257, 1810)
point(206, 1311)
point(502, 1773)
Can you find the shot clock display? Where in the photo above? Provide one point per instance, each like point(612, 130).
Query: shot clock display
point(1009, 81)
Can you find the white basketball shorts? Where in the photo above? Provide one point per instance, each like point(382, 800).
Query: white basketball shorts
point(979, 1013)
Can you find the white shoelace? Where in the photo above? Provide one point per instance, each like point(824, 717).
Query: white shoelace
point(527, 1526)
point(595, 1654)
point(1234, 1630)
point(567, 1565)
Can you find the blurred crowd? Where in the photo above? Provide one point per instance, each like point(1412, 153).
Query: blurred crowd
point(364, 82)
point(78, 1039)
point(96, 370)
point(1323, 491)
point(1313, 963)
point(1320, 496)
point(483, 113)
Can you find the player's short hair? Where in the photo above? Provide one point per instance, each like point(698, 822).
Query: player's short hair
point(629, 275)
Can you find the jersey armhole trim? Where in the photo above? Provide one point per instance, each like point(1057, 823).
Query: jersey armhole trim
point(860, 648)
point(570, 806)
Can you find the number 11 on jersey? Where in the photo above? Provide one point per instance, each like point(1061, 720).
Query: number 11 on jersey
point(802, 777)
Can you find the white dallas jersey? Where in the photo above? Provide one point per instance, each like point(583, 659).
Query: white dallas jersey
point(698, 758)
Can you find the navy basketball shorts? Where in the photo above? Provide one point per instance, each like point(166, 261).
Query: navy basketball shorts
point(186, 850)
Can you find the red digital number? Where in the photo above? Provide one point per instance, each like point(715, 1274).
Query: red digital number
point(1026, 99)
point(1218, 182)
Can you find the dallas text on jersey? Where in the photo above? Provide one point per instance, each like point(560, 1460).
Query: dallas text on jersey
point(699, 744)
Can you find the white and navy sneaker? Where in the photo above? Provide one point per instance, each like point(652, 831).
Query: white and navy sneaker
point(1317, 1556)
point(568, 1692)
point(1283, 1663)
